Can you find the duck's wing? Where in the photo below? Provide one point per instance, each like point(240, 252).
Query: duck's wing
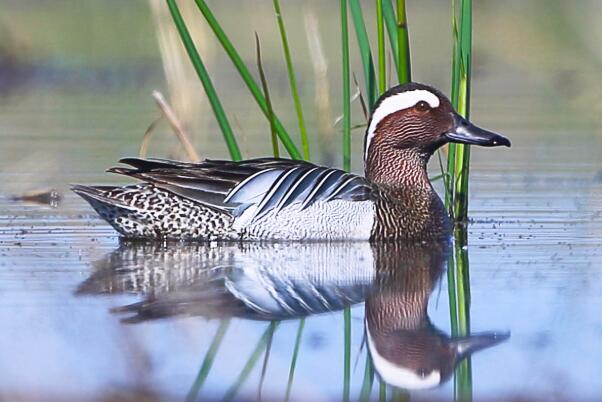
point(208, 182)
point(268, 184)
point(270, 191)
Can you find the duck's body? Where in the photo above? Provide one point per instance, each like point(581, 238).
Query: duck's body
point(261, 199)
point(281, 199)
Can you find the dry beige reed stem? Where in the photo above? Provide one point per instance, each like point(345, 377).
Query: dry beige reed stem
point(176, 126)
point(185, 93)
point(321, 84)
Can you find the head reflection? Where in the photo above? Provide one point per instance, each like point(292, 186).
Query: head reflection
point(407, 350)
point(286, 281)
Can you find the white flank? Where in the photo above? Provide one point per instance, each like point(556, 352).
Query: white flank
point(399, 376)
point(324, 220)
point(395, 103)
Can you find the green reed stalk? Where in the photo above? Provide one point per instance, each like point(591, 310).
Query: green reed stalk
point(266, 91)
point(382, 392)
point(291, 372)
point(380, 31)
point(208, 361)
point(292, 81)
point(391, 24)
point(368, 380)
point(199, 66)
point(458, 162)
point(242, 69)
point(346, 88)
point(365, 52)
point(248, 367)
point(404, 71)
point(347, 354)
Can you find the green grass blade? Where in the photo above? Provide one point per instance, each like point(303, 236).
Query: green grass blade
point(365, 52)
point(368, 380)
point(444, 175)
point(451, 293)
point(347, 354)
point(242, 69)
point(400, 395)
point(266, 359)
point(346, 88)
point(391, 24)
point(382, 392)
point(455, 55)
point(266, 91)
point(291, 373)
point(250, 364)
point(437, 177)
point(451, 154)
point(380, 31)
point(208, 361)
point(292, 81)
point(404, 70)
point(197, 62)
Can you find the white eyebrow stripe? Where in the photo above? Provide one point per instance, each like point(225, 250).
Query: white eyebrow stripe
point(395, 103)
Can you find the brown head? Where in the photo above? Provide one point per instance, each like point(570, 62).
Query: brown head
point(408, 124)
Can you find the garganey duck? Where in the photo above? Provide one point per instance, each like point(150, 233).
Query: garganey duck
point(282, 199)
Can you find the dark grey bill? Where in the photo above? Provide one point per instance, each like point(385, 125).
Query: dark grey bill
point(467, 345)
point(464, 132)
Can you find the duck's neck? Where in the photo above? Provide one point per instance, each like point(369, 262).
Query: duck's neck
point(408, 206)
point(399, 170)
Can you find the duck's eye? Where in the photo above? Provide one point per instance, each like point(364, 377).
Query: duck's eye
point(422, 106)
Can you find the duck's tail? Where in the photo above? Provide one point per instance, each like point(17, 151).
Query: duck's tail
point(113, 209)
point(145, 211)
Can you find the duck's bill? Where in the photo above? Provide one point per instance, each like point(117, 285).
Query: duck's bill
point(464, 132)
point(467, 345)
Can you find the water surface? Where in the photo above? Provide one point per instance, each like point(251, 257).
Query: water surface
point(86, 316)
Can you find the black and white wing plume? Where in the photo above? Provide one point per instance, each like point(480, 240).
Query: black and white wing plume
point(207, 183)
point(267, 184)
point(273, 190)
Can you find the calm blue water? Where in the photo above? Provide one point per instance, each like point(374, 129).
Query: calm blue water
point(534, 271)
point(74, 104)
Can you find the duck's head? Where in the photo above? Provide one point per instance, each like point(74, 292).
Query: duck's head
point(425, 357)
point(413, 120)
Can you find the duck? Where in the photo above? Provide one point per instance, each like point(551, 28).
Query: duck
point(283, 199)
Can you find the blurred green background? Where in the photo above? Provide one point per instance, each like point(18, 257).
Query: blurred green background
point(76, 76)
point(76, 79)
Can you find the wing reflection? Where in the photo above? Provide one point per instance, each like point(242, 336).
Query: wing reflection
point(278, 281)
point(259, 281)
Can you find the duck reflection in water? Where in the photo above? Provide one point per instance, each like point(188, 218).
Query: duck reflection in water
point(293, 280)
point(407, 350)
